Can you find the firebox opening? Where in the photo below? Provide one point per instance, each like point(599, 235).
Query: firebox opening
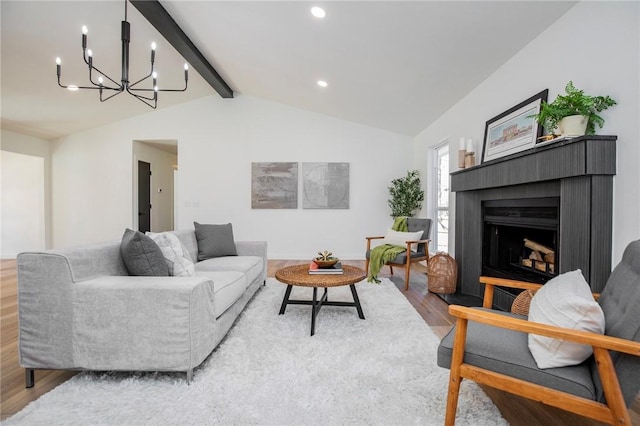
point(520, 239)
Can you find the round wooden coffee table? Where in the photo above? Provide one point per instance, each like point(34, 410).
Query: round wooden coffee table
point(298, 275)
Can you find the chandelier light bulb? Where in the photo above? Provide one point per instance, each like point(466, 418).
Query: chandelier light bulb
point(85, 30)
point(58, 61)
point(100, 79)
point(153, 46)
point(154, 75)
point(155, 88)
point(89, 53)
point(186, 67)
point(322, 83)
point(72, 87)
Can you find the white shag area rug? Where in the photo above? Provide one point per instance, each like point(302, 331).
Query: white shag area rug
point(270, 371)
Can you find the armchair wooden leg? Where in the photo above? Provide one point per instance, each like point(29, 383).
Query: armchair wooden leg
point(391, 269)
point(407, 273)
point(454, 377)
point(366, 267)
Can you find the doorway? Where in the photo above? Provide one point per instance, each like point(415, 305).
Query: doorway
point(144, 196)
point(153, 202)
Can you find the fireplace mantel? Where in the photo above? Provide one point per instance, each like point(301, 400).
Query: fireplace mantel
point(580, 171)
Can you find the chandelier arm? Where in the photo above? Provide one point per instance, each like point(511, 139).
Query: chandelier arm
point(109, 97)
point(160, 90)
point(140, 81)
point(131, 92)
point(118, 85)
point(142, 99)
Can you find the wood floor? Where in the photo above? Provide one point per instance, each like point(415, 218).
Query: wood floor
point(14, 396)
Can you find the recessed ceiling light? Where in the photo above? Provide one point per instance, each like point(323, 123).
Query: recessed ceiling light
point(318, 12)
point(322, 83)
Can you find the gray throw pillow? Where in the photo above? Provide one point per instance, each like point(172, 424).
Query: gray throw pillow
point(214, 241)
point(141, 255)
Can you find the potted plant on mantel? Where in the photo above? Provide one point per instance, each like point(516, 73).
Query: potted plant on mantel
point(573, 114)
point(406, 195)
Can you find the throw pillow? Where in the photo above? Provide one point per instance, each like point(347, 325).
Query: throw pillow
point(141, 255)
point(214, 241)
point(175, 254)
point(400, 238)
point(565, 301)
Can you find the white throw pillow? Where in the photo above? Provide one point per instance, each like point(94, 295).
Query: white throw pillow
point(400, 238)
point(565, 301)
point(175, 254)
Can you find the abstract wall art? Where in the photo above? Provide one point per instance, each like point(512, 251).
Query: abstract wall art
point(325, 185)
point(274, 185)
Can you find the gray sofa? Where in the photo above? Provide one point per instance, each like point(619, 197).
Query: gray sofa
point(79, 308)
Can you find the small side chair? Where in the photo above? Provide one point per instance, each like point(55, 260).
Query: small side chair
point(405, 259)
point(490, 347)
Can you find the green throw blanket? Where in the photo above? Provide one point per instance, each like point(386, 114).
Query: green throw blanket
point(386, 252)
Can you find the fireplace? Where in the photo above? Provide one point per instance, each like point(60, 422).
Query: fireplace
point(520, 238)
point(559, 196)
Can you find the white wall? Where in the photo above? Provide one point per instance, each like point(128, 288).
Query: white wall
point(31, 146)
point(595, 44)
point(161, 185)
point(217, 142)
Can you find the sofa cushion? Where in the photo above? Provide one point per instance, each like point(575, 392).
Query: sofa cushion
point(141, 255)
point(252, 266)
point(214, 241)
point(228, 286)
point(175, 254)
point(565, 301)
point(506, 352)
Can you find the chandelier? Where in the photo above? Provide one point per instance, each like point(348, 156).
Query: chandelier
point(110, 88)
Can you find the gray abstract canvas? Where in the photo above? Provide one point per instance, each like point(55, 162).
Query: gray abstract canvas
point(274, 185)
point(325, 185)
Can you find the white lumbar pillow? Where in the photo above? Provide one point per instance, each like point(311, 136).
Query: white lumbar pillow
point(565, 301)
point(400, 238)
point(175, 254)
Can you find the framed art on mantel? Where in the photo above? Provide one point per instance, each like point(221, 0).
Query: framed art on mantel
point(514, 130)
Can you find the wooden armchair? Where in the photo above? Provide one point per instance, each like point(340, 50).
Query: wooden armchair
point(490, 347)
point(408, 257)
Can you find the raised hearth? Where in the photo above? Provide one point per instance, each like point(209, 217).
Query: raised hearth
point(576, 175)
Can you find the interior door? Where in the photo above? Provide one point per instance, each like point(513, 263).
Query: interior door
point(144, 196)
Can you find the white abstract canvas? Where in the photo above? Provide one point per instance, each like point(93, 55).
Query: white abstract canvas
point(325, 185)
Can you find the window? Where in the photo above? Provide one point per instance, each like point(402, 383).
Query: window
point(441, 197)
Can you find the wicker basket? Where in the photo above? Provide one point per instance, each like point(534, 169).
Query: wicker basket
point(521, 303)
point(442, 271)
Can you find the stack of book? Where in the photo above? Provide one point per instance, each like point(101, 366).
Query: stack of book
point(314, 269)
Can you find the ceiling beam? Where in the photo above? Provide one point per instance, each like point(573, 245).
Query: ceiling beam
point(153, 11)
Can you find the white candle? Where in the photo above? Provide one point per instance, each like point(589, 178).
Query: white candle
point(470, 145)
point(462, 144)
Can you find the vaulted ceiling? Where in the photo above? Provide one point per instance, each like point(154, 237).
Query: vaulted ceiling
point(389, 64)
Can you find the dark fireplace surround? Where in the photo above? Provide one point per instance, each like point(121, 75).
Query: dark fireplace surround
point(503, 201)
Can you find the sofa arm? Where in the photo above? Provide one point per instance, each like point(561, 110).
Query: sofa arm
point(142, 323)
point(252, 248)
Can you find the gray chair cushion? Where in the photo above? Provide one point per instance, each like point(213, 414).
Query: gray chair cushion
point(417, 224)
point(141, 255)
point(507, 352)
point(214, 241)
point(620, 302)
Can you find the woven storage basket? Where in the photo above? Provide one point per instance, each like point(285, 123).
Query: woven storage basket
point(442, 271)
point(521, 303)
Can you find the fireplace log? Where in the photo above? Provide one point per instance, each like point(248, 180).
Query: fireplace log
point(538, 247)
point(550, 258)
point(535, 255)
